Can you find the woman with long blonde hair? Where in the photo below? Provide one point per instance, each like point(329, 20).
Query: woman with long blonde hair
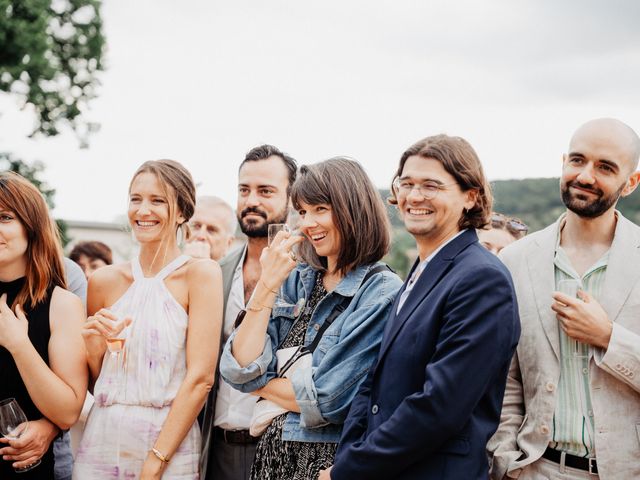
point(165, 310)
point(42, 362)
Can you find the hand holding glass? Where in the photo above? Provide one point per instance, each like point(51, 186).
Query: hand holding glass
point(13, 424)
point(274, 228)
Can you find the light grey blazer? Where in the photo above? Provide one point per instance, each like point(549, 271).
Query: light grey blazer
point(530, 397)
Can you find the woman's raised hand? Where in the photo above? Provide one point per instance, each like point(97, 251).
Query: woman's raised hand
point(13, 327)
point(278, 259)
point(102, 325)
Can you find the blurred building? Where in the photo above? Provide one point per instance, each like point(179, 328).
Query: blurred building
point(116, 236)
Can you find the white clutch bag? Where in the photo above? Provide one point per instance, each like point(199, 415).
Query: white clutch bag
point(289, 360)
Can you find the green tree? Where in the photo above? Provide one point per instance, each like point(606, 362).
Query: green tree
point(32, 173)
point(51, 53)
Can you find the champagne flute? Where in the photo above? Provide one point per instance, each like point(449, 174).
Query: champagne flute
point(115, 345)
point(13, 424)
point(274, 228)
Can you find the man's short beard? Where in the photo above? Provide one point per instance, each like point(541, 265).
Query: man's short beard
point(260, 230)
point(588, 210)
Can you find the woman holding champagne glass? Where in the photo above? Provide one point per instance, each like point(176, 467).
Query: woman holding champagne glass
point(42, 362)
point(161, 316)
point(334, 303)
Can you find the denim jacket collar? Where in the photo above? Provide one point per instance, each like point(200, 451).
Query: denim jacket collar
point(347, 287)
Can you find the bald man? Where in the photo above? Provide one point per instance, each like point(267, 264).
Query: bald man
point(213, 228)
point(572, 402)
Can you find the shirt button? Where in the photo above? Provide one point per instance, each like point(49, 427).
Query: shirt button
point(316, 327)
point(585, 371)
point(374, 409)
point(544, 429)
point(590, 413)
point(550, 387)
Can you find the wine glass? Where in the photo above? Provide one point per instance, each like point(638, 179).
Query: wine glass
point(13, 424)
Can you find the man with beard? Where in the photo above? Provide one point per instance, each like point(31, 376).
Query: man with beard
point(572, 404)
point(265, 178)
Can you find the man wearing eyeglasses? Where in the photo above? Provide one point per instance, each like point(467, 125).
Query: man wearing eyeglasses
point(572, 407)
point(433, 399)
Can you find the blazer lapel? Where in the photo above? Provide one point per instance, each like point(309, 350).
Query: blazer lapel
point(392, 316)
point(622, 269)
point(541, 271)
point(428, 279)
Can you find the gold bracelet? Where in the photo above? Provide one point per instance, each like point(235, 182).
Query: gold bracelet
point(257, 309)
point(275, 292)
point(159, 455)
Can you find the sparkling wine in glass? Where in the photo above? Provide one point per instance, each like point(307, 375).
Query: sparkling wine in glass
point(13, 424)
point(115, 345)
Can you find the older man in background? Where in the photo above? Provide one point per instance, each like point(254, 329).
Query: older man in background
point(213, 228)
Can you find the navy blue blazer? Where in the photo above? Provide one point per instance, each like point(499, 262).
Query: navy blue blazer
point(432, 400)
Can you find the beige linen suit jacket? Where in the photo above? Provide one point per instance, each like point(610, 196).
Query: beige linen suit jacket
point(530, 397)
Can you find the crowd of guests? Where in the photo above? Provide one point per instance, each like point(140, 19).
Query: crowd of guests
point(301, 355)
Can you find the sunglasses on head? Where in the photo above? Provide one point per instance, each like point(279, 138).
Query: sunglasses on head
point(514, 225)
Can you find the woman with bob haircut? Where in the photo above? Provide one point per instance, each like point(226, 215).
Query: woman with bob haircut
point(344, 234)
point(166, 310)
point(42, 362)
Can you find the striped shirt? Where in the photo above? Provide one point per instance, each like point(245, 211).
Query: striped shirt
point(573, 417)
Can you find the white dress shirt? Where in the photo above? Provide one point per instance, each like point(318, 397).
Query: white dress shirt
point(419, 269)
point(233, 408)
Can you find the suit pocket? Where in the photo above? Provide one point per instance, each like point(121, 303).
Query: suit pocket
point(458, 445)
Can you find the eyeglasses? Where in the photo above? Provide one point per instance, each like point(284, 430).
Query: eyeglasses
point(428, 190)
point(514, 225)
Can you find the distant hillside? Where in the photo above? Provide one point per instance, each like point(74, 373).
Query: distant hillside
point(536, 201)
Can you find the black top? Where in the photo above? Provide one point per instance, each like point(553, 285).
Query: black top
point(11, 384)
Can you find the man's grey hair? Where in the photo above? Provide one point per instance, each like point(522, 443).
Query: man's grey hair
point(211, 201)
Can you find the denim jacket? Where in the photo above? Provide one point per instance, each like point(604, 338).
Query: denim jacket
point(342, 359)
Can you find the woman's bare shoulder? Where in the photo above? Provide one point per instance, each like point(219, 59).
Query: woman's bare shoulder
point(111, 274)
point(202, 269)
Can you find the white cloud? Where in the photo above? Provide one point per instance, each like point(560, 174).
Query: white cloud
point(203, 82)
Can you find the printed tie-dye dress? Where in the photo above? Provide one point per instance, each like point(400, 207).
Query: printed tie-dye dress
point(132, 401)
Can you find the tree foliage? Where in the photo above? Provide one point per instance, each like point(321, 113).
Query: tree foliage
point(51, 53)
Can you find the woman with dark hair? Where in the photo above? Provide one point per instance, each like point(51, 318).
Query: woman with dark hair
point(161, 315)
point(41, 350)
point(91, 256)
point(332, 306)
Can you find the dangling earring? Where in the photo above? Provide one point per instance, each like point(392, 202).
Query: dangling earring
point(180, 235)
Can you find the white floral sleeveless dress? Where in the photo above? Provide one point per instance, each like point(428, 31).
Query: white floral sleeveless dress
point(132, 402)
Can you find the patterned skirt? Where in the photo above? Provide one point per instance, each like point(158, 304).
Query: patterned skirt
point(280, 460)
